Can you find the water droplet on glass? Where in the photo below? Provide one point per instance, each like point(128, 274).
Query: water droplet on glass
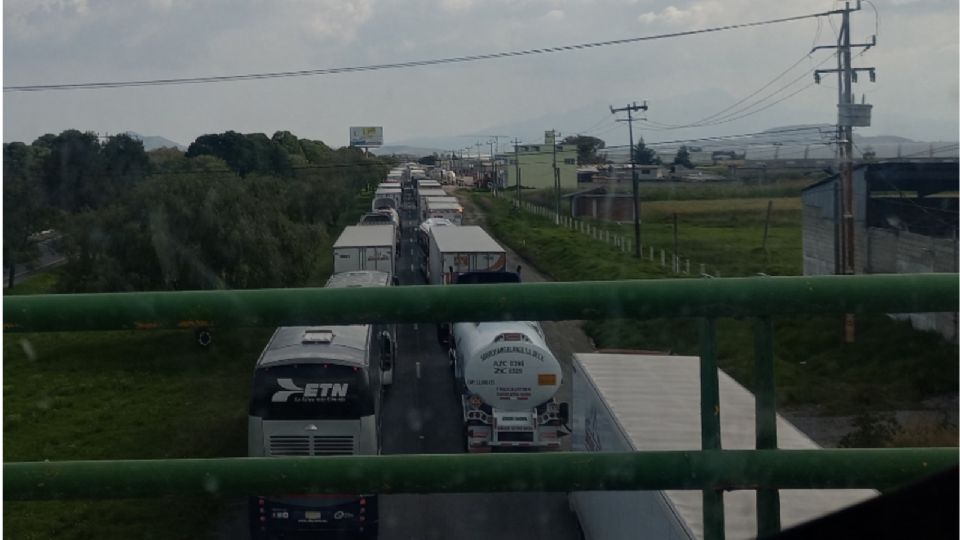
point(28, 349)
point(211, 484)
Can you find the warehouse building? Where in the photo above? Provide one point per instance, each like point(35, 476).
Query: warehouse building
point(905, 221)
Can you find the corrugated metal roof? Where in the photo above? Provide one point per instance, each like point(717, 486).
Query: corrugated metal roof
point(464, 239)
point(657, 403)
point(365, 236)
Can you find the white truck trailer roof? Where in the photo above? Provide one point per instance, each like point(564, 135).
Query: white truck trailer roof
point(365, 236)
point(464, 239)
point(656, 402)
point(443, 205)
point(446, 199)
point(431, 192)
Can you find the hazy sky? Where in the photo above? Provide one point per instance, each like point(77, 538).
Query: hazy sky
point(683, 79)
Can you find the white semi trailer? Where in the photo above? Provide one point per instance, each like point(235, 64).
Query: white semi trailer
point(365, 247)
point(424, 193)
point(443, 209)
point(387, 196)
point(631, 403)
point(459, 250)
point(507, 378)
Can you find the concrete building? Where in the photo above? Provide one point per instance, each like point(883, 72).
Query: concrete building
point(536, 165)
point(905, 221)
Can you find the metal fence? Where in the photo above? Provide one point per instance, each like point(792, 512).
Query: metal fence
point(711, 470)
point(667, 258)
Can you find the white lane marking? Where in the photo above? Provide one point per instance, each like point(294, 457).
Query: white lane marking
point(418, 370)
point(416, 327)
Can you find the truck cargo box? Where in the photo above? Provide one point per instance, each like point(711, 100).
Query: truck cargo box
point(367, 247)
point(456, 250)
point(630, 402)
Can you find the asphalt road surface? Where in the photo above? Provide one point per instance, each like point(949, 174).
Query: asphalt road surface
point(421, 415)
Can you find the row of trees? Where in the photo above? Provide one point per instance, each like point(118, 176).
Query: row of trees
point(588, 152)
point(234, 211)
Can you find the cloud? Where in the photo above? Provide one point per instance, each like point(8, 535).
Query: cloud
point(554, 15)
point(456, 5)
point(696, 14)
point(334, 20)
point(25, 19)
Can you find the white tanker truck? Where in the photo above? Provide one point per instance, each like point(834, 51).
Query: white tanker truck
point(507, 377)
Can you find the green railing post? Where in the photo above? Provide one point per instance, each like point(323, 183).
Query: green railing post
point(768, 500)
point(713, 522)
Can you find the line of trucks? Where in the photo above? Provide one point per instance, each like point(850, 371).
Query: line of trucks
point(505, 373)
point(507, 379)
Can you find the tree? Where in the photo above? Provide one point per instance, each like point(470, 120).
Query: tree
point(645, 156)
point(232, 147)
point(428, 160)
point(683, 158)
point(125, 163)
point(586, 148)
point(24, 211)
point(72, 173)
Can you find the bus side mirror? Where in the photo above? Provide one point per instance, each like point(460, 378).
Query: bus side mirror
point(564, 413)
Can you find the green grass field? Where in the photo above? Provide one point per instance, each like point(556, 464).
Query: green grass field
point(123, 395)
point(127, 395)
point(891, 365)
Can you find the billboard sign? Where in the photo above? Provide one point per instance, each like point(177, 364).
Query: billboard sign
point(366, 136)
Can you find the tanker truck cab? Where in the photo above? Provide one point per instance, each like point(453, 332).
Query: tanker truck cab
point(506, 379)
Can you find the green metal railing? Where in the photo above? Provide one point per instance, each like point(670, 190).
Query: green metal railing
point(729, 297)
point(567, 471)
point(712, 470)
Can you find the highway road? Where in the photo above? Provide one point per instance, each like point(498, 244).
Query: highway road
point(49, 257)
point(422, 416)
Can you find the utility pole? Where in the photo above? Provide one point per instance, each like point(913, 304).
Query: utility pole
point(493, 167)
point(633, 171)
point(479, 172)
point(552, 137)
point(849, 114)
point(516, 158)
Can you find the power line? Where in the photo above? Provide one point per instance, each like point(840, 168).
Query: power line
point(742, 112)
point(728, 137)
point(400, 65)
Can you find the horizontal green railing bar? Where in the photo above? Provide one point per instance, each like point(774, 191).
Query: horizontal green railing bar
point(757, 296)
point(568, 471)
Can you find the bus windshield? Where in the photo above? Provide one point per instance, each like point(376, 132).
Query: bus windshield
point(311, 391)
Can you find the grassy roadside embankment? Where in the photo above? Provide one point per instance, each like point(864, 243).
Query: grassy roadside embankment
point(128, 395)
point(890, 366)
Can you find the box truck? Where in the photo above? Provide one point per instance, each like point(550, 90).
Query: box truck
point(458, 250)
point(365, 247)
point(437, 208)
